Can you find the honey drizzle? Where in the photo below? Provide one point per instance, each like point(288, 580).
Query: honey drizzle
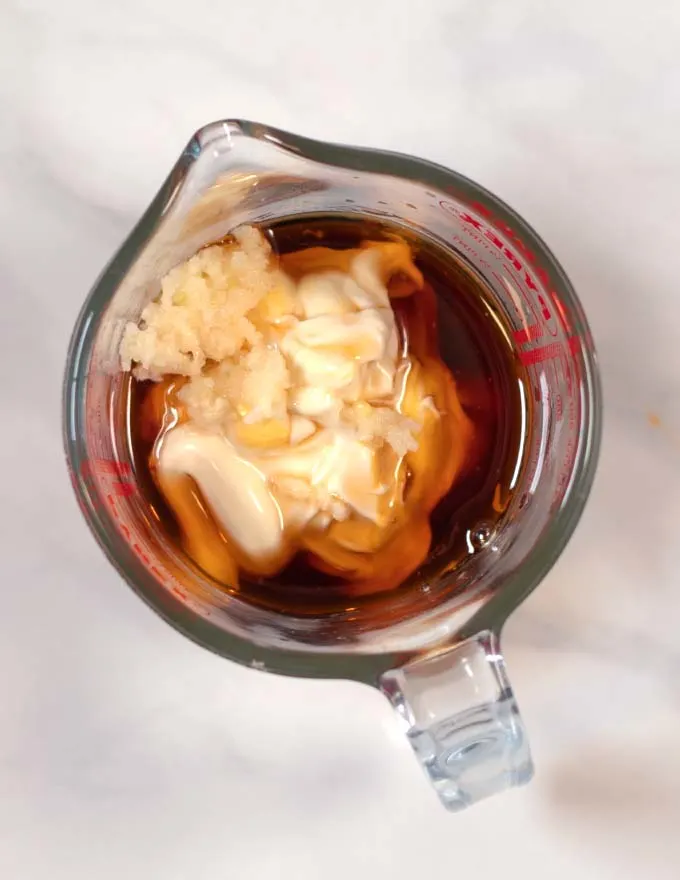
point(372, 559)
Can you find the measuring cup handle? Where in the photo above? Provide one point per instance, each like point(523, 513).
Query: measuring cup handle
point(461, 718)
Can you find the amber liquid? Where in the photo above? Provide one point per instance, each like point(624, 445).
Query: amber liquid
point(473, 344)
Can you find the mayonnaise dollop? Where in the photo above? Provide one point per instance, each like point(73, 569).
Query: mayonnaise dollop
point(341, 348)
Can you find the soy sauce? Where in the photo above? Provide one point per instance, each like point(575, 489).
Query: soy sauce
point(475, 346)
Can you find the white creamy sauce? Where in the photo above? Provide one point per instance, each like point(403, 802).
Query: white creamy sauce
point(341, 349)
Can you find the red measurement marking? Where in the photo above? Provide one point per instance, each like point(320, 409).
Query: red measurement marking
point(466, 218)
point(123, 489)
point(158, 574)
point(478, 206)
point(529, 281)
point(545, 311)
point(142, 555)
point(102, 466)
point(575, 344)
point(517, 242)
point(112, 504)
point(116, 489)
point(491, 236)
point(528, 334)
point(528, 302)
point(494, 239)
point(512, 259)
point(544, 353)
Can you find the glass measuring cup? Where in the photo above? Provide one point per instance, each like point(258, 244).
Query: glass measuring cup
point(440, 665)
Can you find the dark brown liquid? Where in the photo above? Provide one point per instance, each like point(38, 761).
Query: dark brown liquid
point(475, 350)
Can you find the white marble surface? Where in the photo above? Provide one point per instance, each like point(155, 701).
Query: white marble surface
point(124, 749)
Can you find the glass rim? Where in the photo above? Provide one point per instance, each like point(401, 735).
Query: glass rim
point(368, 665)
